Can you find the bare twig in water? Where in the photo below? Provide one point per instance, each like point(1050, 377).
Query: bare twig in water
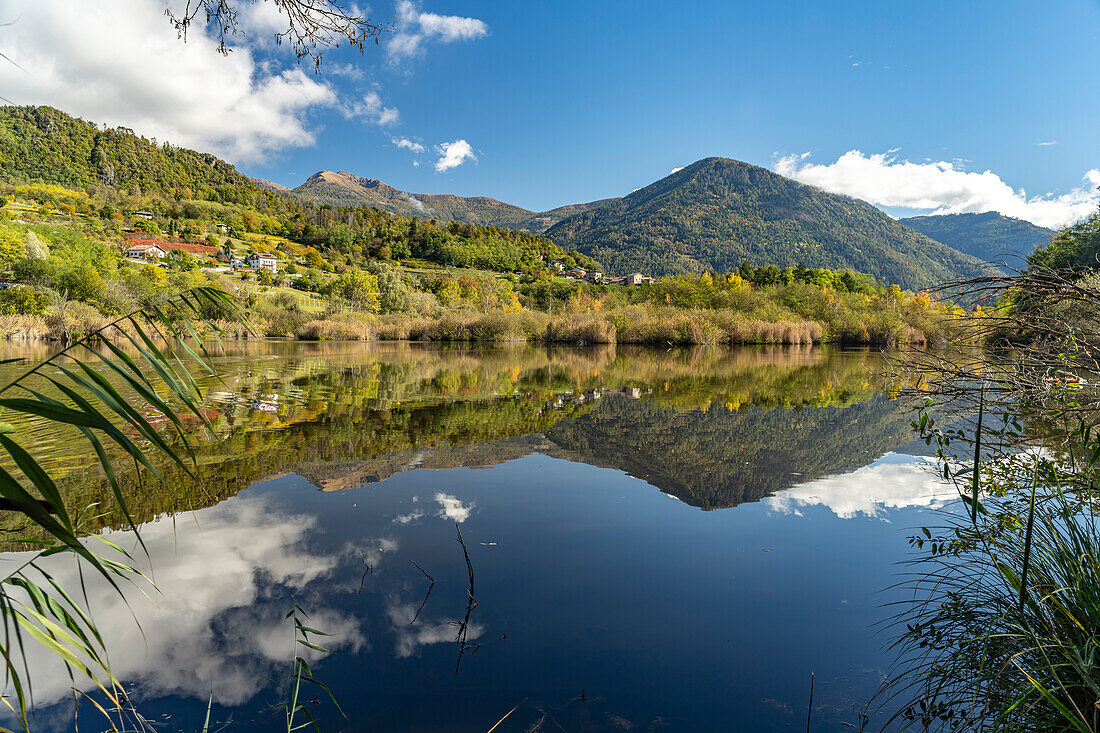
point(425, 601)
point(810, 707)
point(471, 604)
point(507, 714)
point(365, 572)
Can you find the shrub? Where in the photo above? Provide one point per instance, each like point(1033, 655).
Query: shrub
point(23, 299)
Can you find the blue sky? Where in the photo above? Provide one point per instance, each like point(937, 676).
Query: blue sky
point(568, 101)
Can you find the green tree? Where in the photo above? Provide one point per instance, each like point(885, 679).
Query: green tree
point(360, 289)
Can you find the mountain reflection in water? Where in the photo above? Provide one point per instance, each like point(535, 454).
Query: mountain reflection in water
point(337, 466)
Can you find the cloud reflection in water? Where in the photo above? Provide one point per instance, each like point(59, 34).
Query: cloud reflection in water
point(216, 620)
point(894, 481)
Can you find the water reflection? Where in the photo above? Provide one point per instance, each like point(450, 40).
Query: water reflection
point(892, 482)
point(337, 476)
point(210, 623)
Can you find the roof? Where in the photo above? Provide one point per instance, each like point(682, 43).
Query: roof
point(266, 255)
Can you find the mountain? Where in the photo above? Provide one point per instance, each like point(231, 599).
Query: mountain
point(990, 237)
point(342, 188)
point(47, 144)
point(269, 185)
point(717, 212)
point(347, 189)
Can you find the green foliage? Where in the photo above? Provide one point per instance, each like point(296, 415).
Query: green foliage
point(716, 213)
point(23, 299)
point(80, 282)
point(44, 143)
point(359, 288)
point(1075, 249)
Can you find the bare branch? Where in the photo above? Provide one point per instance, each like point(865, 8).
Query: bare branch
point(312, 25)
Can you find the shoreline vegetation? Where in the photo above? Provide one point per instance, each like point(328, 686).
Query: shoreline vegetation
point(639, 324)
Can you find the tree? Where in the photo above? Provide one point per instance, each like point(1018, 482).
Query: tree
point(312, 25)
point(358, 288)
point(81, 282)
point(36, 248)
point(393, 293)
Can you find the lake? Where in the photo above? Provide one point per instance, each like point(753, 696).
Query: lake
point(657, 540)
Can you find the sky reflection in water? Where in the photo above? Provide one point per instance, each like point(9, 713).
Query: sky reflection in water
point(600, 603)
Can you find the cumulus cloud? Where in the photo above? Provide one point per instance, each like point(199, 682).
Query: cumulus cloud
point(894, 481)
point(371, 109)
point(414, 28)
point(120, 62)
point(453, 155)
point(940, 186)
point(1046, 143)
point(450, 507)
point(407, 144)
point(676, 170)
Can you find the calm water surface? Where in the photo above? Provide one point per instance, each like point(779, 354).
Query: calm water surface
point(660, 540)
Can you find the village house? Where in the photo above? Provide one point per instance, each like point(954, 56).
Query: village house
point(575, 272)
point(141, 214)
point(262, 260)
point(145, 251)
point(593, 276)
point(557, 266)
point(634, 278)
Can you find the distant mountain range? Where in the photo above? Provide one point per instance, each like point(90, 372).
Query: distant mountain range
point(710, 215)
point(990, 237)
point(347, 189)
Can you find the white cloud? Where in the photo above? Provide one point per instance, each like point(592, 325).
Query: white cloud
point(1046, 143)
point(450, 507)
point(120, 62)
point(894, 481)
point(415, 27)
point(350, 71)
point(417, 203)
point(407, 144)
point(676, 170)
point(371, 109)
point(453, 155)
point(939, 186)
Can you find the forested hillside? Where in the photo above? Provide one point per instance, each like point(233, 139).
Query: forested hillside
point(113, 171)
point(45, 144)
point(716, 213)
point(991, 237)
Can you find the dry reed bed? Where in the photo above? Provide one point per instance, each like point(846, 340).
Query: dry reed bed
point(627, 326)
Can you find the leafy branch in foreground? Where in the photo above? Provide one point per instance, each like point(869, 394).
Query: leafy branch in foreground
point(998, 628)
point(113, 387)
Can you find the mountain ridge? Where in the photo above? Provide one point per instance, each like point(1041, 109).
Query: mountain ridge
point(989, 236)
point(346, 188)
point(718, 212)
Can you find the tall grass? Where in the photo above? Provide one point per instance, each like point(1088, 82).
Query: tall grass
point(1002, 629)
point(94, 391)
point(633, 324)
